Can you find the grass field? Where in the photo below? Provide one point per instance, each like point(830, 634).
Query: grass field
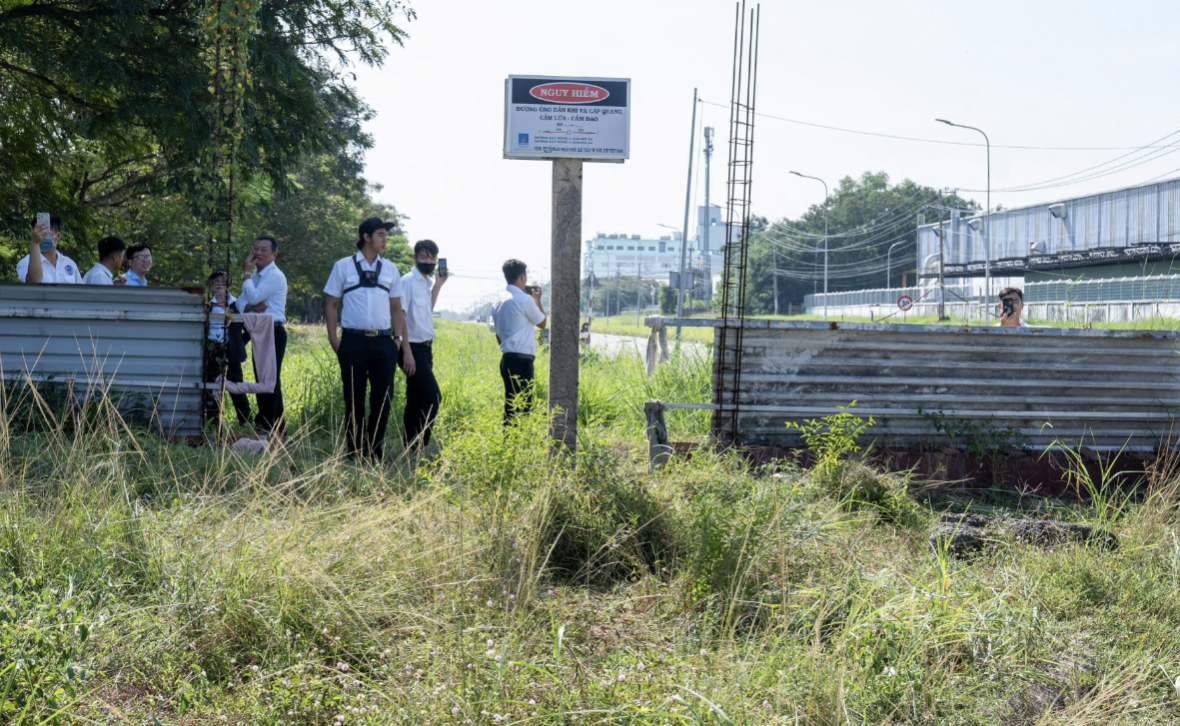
point(155, 583)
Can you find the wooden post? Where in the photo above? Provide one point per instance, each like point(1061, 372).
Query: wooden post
point(564, 295)
point(658, 450)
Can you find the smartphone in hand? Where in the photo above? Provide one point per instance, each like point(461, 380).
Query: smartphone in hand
point(442, 267)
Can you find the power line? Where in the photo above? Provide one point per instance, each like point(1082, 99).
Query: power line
point(897, 137)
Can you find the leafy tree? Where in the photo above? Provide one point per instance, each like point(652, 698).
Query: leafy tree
point(104, 108)
point(865, 217)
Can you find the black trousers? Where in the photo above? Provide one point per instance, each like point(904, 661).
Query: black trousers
point(270, 405)
point(370, 362)
point(423, 396)
point(517, 372)
point(217, 364)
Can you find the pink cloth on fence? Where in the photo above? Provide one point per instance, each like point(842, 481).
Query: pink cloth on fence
point(262, 344)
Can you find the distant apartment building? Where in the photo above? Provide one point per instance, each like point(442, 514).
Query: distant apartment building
point(633, 255)
point(655, 258)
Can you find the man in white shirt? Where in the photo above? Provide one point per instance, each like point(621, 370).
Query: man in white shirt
point(369, 290)
point(139, 265)
point(110, 259)
point(514, 316)
point(419, 295)
point(265, 291)
point(1010, 307)
point(44, 263)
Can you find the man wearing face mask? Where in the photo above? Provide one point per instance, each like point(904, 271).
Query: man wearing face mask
point(419, 295)
point(140, 256)
point(44, 263)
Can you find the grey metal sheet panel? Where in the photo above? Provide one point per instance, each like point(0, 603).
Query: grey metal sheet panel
point(141, 347)
point(1101, 388)
point(1136, 215)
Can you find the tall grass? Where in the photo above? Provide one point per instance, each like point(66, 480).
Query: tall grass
point(146, 582)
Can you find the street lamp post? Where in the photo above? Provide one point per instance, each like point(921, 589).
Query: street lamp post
point(680, 275)
point(889, 261)
point(821, 181)
point(987, 226)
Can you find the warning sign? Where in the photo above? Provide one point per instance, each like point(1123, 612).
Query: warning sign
point(905, 302)
point(567, 118)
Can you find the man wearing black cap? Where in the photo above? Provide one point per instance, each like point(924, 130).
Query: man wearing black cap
point(372, 343)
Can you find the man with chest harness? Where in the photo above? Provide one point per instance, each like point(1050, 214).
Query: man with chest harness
point(371, 343)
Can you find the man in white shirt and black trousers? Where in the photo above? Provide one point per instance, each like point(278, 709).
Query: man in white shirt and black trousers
point(372, 342)
point(265, 291)
point(419, 294)
point(514, 316)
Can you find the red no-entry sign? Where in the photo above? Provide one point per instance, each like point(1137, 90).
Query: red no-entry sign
point(905, 302)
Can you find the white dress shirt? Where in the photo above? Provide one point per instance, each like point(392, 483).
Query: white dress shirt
point(268, 285)
point(217, 319)
point(65, 273)
point(416, 292)
point(99, 275)
point(515, 315)
point(365, 308)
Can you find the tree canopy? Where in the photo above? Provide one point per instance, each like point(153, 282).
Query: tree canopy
point(104, 117)
point(866, 216)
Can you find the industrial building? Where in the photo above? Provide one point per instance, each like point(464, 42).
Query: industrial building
point(626, 255)
point(1102, 257)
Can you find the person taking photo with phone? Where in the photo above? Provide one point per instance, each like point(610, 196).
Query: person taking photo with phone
point(44, 263)
point(366, 290)
point(110, 259)
point(1010, 307)
point(265, 291)
point(514, 316)
point(139, 264)
point(420, 288)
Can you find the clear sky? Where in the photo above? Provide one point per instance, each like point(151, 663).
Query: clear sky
point(1034, 73)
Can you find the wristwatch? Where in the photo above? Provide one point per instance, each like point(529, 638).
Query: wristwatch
point(397, 338)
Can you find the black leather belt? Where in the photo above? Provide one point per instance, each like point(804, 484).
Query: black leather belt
point(368, 333)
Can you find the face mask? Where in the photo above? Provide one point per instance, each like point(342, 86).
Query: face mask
point(47, 244)
point(426, 268)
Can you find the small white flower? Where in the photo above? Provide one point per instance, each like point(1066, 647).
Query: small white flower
point(498, 658)
point(532, 702)
point(766, 705)
point(254, 668)
point(704, 652)
point(491, 643)
point(512, 597)
point(342, 666)
point(640, 666)
point(490, 603)
point(622, 677)
point(455, 711)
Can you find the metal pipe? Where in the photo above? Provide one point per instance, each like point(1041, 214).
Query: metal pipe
point(889, 262)
point(821, 181)
point(687, 201)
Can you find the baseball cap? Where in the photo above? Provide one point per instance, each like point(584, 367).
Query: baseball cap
point(369, 226)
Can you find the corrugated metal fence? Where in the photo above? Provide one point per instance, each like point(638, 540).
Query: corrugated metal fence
point(140, 347)
point(1026, 386)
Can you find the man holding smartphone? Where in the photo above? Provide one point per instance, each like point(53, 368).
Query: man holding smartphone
point(419, 295)
point(44, 264)
point(1010, 307)
point(514, 316)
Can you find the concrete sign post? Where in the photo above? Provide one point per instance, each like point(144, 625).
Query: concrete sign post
point(568, 121)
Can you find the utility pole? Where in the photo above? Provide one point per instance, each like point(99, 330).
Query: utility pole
point(941, 258)
point(692, 136)
point(638, 277)
point(707, 222)
point(564, 318)
point(774, 273)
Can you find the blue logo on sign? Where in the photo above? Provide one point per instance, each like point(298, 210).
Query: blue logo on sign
point(522, 139)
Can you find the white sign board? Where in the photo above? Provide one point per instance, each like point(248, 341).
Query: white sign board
point(547, 117)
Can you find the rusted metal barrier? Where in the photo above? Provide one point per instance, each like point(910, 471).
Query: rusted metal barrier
point(139, 347)
point(929, 385)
